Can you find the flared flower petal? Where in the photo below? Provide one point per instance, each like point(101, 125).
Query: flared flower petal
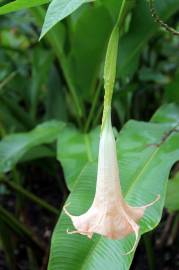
point(109, 214)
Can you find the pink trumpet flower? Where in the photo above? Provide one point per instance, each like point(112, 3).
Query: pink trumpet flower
point(109, 214)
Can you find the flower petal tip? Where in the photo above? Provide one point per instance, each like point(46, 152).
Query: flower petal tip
point(154, 201)
point(151, 203)
point(136, 229)
point(72, 232)
point(66, 211)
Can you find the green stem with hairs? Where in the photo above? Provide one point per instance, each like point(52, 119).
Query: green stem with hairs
point(159, 20)
point(110, 71)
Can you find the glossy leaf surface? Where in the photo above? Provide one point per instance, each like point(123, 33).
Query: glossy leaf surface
point(13, 147)
point(21, 4)
point(145, 160)
point(58, 10)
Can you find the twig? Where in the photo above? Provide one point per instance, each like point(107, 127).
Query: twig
point(7, 80)
point(30, 196)
point(160, 21)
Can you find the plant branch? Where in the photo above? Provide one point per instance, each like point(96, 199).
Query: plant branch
point(160, 21)
point(30, 196)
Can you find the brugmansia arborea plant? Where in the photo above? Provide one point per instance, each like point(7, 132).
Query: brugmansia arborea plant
point(109, 215)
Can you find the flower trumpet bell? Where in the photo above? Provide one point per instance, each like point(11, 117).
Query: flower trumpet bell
point(109, 214)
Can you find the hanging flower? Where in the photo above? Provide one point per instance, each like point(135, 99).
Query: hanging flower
point(109, 214)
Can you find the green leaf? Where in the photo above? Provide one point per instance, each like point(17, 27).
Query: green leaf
point(56, 107)
point(88, 45)
point(171, 90)
point(16, 111)
point(142, 28)
point(9, 121)
point(13, 147)
point(145, 160)
point(56, 39)
point(39, 152)
point(75, 151)
point(113, 6)
point(167, 114)
point(57, 11)
point(21, 4)
point(172, 198)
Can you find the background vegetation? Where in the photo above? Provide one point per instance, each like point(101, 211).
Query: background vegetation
point(51, 94)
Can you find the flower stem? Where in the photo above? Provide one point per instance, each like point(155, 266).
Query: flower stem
point(111, 59)
point(110, 71)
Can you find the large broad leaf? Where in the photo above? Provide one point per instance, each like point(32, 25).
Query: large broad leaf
point(21, 4)
point(145, 159)
point(13, 147)
point(142, 28)
point(58, 10)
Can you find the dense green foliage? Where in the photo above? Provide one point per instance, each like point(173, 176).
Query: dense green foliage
point(51, 102)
